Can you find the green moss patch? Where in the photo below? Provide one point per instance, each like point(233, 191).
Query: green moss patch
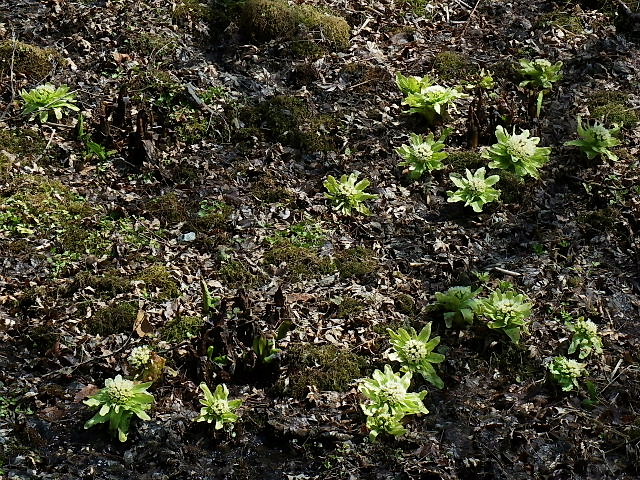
point(17, 145)
point(181, 328)
point(459, 161)
point(157, 279)
point(327, 367)
point(237, 274)
point(269, 190)
point(110, 282)
point(290, 121)
point(117, 318)
point(356, 262)
point(28, 60)
point(612, 107)
point(266, 20)
point(450, 65)
point(298, 262)
point(168, 208)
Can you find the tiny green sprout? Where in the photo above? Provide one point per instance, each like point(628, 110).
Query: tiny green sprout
point(140, 357)
point(597, 140)
point(348, 194)
point(585, 338)
point(508, 311)
point(475, 190)
point(217, 408)
point(118, 401)
point(44, 99)
point(389, 402)
point(517, 153)
point(460, 304)
point(541, 74)
point(566, 372)
point(423, 154)
point(486, 80)
point(429, 100)
point(415, 352)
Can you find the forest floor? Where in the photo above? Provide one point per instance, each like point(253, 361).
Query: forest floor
point(207, 134)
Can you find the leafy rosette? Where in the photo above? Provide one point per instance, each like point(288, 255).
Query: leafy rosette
point(429, 100)
point(118, 401)
point(541, 72)
point(348, 194)
point(44, 99)
point(423, 154)
point(507, 311)
point(389, 402)
point(460, 305)
point(586, 339)
point(217, 408)
point(517, 153)
point(475, 190)
point(415, 352)
point(597, 140)
point(566, 372)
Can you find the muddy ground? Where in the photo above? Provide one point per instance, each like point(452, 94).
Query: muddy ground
point(218, 125)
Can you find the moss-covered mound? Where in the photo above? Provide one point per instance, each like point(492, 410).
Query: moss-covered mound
point(326, 367)
point(28, 60)
point(290, 121)
point(157, 279)
point(265, 20)
point(117, 318)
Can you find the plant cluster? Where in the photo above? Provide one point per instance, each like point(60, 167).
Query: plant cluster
point(596, 140)
point(429, 100)
point(42, 100)
point(517, 153)
point(503, 309)
point(460, 305)
point(475, 190)
point(415, 352)
point(388, 401)
point(566, 372)
point(117, 402)
point(217, 408)
point(586, 339)
point(423, 154)
point(348, 193)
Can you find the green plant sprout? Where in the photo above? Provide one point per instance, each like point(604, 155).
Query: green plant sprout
point(566, 372)
point(389, 402)
point(140, 357)
point(429, 100)
point(597, 140)
point(508, 311)
point(460, 305)
point(586, 339)
point(44, 99)
point(415, 352)
point(517, 153)
point(348, 194)
point(475, 190)
point(118, 401)
point(423, 154)
point(217, 408)
point(542, 74)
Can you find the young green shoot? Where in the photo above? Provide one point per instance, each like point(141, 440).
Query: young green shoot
point(348, 194)
point(507, 311)
point(566, 372)
point(597, 140)
point(586, 339)
point(118, 401)
point(217, 408)
point(423, 154)
point(517, 153)
point(429, 100)
point(44, 99)
point(475, 190)
point(460, 305)
point(415, 352)
point(542, 74)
